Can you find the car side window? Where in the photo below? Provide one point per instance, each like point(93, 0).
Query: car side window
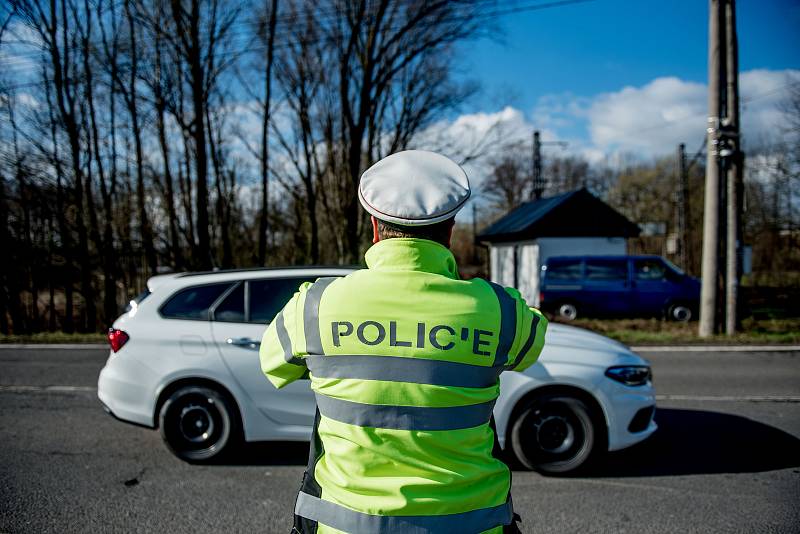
point(564, 270)
point(649, 270)
point(269, 296)
point(231, 309)
point(193, 302)
point(606, 270)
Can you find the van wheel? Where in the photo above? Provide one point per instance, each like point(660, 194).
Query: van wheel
point(680, 312)
point(197, 424)
point(554, 434)
point(568, 311)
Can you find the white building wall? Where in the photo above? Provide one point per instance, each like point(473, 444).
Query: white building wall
point(528, 272)
point(523, 256)
point(529, 256)
point(501, 264)
point(580, 246)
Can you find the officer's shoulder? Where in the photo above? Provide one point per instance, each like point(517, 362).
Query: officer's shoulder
point(512, 292)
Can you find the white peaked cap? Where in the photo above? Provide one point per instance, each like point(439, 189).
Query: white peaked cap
point(414, 188)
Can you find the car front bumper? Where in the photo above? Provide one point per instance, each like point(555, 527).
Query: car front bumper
point(625, 402)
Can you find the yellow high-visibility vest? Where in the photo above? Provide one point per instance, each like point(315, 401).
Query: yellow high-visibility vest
point(404, 359)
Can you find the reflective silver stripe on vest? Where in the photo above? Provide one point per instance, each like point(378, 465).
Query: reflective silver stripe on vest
point(528, 342)
point(508, 324)
point(341, 518)
point(398, 369)
point(286, 341)
point(405, 417)
point(311, 315)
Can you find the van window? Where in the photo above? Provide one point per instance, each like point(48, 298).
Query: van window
point(564, 270)
point(600, 270)
point(193, 302)
point(231, 309)
point(269, 296)
point(649, 270)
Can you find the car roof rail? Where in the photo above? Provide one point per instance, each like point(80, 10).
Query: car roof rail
point(274, 268)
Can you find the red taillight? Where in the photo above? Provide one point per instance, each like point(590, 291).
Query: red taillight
point(541, 297)
point(117, 339)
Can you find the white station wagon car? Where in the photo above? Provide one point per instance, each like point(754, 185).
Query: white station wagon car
point(184, 359)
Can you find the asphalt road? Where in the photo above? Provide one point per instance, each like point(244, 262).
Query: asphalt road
point(725, 459)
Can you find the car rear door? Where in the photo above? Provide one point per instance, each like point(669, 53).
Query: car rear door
point(238, 324)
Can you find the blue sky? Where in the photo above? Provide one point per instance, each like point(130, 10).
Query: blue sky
point(577, 60)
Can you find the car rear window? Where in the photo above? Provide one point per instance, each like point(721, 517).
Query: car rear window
point(269, 296)
point(564, 270)
point(193, 302)
point(231, 309)
point(606, 270)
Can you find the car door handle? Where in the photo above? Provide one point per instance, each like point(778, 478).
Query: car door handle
point(244, 342)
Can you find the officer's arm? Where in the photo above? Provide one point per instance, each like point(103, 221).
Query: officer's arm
point(280, 360)
point(530, 336)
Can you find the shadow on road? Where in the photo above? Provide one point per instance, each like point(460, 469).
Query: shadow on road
point(270, 453)
point(688, 442)
point(692, 442)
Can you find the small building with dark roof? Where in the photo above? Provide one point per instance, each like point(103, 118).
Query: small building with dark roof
point(575, 223)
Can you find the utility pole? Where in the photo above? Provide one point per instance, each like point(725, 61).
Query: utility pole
point(709, 288)
point(538, 181)
point(734, 163)
point(681, 204)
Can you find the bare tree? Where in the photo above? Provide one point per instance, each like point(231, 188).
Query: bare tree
point(509, 182)
point(269, 36)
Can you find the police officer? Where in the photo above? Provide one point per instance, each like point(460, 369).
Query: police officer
point(404, 359)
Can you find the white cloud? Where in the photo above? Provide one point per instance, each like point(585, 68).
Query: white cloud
point(652, 119)
point(18, 53)
point(763, 93)
point(648, 120)
point(612, 128)
point(474, 139)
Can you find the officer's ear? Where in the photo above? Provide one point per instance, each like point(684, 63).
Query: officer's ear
point(375, 235)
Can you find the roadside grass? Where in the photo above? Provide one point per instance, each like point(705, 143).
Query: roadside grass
point(628, 331)
point(52, 338)
point(660, 332)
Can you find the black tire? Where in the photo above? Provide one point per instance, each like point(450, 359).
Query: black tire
point(554, 434)
point(680, 312)
point(567, 311)
point(198, 424)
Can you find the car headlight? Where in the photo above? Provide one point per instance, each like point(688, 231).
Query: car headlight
point(630, 375)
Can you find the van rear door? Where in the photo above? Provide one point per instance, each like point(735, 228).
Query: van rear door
point(607, 287)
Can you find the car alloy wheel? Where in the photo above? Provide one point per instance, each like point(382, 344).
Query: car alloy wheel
point(196, 423)
point(553, 434)
point(568, 311)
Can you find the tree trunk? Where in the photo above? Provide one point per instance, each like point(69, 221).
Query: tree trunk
point(193, 52)
point(145, 228)
point(66, 107)
point(263, 222)
point(169, 201)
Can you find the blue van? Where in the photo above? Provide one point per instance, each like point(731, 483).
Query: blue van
point(573, 286)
